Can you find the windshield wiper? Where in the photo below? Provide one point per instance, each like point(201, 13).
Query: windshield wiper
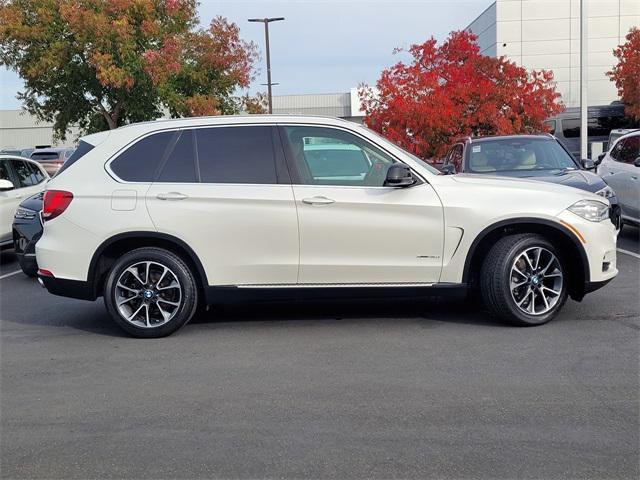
point(562, 171)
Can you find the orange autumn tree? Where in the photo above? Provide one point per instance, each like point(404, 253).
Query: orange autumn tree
point(626, 74)
point(450, 90)
point(104, 63)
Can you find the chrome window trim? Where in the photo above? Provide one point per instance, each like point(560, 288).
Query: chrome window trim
point(364, 138)
point(114, 176)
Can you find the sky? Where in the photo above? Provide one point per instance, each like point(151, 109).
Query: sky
point(324, 46)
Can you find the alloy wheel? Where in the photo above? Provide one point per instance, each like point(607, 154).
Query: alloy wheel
point(536, 281)
point(148, 294)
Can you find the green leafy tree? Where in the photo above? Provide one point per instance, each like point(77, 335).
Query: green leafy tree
point(103, 63)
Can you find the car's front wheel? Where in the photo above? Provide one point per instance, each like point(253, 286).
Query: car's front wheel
point(150, 292)
point(523, 280)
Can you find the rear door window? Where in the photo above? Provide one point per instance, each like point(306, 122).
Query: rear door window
point(180, 164)
point(550, 126)
point(242, 154)
point(141, 161)
point(37, 173)
point(456, 157)
point(5, 174)
point(26, 174)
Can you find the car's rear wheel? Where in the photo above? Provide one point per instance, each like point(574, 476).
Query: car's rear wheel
point(150, 292)
point(523, 280)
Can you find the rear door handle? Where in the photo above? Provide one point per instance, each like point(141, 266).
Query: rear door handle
point(318, 201)
point(172, 196)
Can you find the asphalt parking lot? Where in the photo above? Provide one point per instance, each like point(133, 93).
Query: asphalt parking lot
point(327, 390)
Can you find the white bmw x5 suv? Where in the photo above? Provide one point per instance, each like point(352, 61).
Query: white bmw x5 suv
point(163, 217)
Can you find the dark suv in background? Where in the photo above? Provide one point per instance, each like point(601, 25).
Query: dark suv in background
point(601, 120)
point(537, 157)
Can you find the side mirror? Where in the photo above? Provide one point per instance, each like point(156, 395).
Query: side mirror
point(6, 185)
point(448, 169)
point(600, 158)
point(637, 162)
point(588, 164)
point(399, 175)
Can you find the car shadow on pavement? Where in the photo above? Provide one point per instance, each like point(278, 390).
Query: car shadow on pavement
point(50, 311)
point(46, 310)
point(420, 309)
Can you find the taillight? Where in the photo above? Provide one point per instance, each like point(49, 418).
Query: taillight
point(54, 203)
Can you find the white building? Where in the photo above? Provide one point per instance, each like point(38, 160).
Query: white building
point(20, 130)
point(545, 34)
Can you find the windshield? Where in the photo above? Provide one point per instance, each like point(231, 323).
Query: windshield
point(517, 154)
point(423, 163)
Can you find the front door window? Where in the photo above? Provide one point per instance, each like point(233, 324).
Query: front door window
point(326, 156)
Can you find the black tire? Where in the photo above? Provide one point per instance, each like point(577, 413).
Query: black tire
point(496, 275)
point(188, 301)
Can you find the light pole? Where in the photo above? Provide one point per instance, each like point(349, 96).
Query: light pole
point(584, 81)
point(266, 22)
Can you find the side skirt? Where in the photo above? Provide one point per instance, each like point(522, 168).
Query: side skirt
point(229, 294)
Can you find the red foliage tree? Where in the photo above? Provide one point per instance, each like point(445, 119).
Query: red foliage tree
point(451, 90)
point(626, 74)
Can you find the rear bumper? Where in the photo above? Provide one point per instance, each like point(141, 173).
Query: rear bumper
point(68, 288)
point(28, 263)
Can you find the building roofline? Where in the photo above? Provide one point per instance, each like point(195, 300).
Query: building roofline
point(483, 12)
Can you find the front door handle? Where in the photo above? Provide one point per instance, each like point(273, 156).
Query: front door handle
point(318, 201)
point(634, 177)
point(172, 196)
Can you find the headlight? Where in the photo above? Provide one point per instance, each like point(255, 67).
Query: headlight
point(606, 192)
point(591, 210)
point(25, 214)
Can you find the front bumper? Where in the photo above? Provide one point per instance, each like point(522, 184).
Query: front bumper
point(598, 239)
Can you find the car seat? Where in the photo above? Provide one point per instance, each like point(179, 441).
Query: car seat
point(480, 163)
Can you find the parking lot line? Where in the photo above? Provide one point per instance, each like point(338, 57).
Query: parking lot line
point(633, 254)
point(9, 274)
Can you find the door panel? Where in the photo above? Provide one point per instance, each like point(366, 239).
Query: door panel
point(230, 209)
point(369, 235)
point(27, 180)
point(353, 228)
point(9, 201)
point(623, 176)
point(243, 234)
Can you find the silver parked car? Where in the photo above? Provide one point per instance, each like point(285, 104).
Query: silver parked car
point(620, 168)
point(52, 158)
